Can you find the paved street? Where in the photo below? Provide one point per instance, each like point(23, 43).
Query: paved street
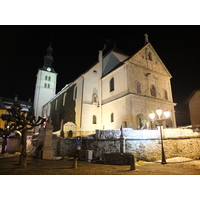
point(9, 166)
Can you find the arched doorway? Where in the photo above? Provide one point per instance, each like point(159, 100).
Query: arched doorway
point(141, 122)
point(69, 129)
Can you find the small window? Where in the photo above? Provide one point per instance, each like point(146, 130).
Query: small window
point(75, 93)
point(153, 91)
point(138, 88)
point(48, 85)
point(112, 117)
point(165, 95)
point(49, 78)
point(150, 56)
point(46, 78)
point(94, 119)
point(112, 85)
point(45, 85)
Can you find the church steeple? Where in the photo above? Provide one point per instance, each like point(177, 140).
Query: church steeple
point(48, 59)
point(45, 87)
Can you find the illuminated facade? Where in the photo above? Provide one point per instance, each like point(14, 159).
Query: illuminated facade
point(117, 90)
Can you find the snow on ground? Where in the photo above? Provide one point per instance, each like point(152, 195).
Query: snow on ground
point(8, 155)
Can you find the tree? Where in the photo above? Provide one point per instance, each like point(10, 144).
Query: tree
point(22, 121)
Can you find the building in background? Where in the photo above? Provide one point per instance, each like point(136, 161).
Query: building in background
point(6, 103)
point(194, 108)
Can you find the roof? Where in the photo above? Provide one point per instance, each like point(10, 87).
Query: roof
point(122, 61)
point(115, 49)
point(6, 103)
point(2, 105)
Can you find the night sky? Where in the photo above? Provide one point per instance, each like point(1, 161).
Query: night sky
point(75, 49)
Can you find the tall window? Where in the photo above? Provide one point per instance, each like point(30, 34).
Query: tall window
point(153, 91)
point(45, 85)
point(112, 85)
point(112, 117)
point(56, 104)
point(48, 85)
point(49, 78)
point(94, 119)
point(46, 78)
point(75, 93)
point(64, 98)
point(138, 88)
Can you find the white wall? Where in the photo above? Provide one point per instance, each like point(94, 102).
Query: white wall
point(42, 94)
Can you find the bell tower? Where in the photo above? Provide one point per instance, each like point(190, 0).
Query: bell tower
point(45, 87)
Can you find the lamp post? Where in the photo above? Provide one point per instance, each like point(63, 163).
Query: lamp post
point(159, 122)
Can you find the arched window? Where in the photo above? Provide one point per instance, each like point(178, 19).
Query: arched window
point(141, 122)
point(138, 87)
point(150, 56)
point(45, 85)
point(112, 117)
point(64, 98)
point(112, 85)
point(46, 78)
point(49, 78)
point(94, 119)
point(56, 104)
point(165, 95)
point(75, 93)
point(153, 90)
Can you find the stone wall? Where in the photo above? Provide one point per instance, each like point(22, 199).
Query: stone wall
point(144, 144)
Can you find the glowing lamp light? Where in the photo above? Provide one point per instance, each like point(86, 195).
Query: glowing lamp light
point(166, 113)
point(152, 115)
point(159, 112)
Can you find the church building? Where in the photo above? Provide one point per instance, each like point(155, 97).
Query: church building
point(119, 90)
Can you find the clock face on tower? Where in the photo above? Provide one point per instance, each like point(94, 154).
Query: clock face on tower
point(48, 69)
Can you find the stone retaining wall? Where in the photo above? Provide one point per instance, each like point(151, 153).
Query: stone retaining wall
point(145, 144)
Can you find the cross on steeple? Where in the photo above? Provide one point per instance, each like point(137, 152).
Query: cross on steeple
point(146, 38)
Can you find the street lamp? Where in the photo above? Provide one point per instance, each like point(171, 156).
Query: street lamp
point(159, 121)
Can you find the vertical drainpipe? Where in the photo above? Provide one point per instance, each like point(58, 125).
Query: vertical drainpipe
point(81, 113)
point(100, 79)
point(101, 65)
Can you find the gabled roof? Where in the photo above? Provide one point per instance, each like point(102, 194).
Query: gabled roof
point(119, 55)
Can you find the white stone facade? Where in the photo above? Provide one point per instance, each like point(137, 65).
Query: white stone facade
point(45, 89)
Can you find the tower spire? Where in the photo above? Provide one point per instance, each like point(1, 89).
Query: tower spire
point(48, 58)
